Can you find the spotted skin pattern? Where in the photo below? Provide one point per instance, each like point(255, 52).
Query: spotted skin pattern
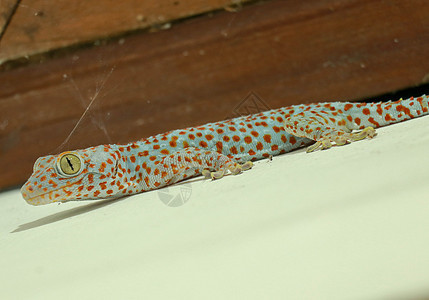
point(112, 171)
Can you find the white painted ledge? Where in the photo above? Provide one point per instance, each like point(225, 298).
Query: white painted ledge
point(348, 223)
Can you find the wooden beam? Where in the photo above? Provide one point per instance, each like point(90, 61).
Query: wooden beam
point(39, 25)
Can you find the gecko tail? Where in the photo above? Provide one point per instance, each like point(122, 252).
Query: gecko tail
point(391, 112)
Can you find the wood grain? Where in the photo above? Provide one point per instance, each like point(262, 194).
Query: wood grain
point(288, 52)
point(6, 11)
point(39, 25)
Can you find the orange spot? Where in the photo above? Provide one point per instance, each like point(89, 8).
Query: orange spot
point(379, 110)
point(203, 144)
point(219, 131)
point(152, 158)
point(156, 147)
point(274, 147)
point(52, 183)
point(89, 188)
point(254, 133)
point(259, 146)
point(292, 140)
point(248, 140)
point(342, 122)
point(357, 121)
point(267, 138)
point(109, 192)
point(133, 158)
point(219, 147)
point(173, 144)
point(403, 109)
point(137, 168)
point(233, 150)
point(366, 111)
point(251, 152)
point(43, 178)
point(226, 138)
point(109, 161)
point(232, 128)
point(165, 151)
point(348, 106)
point(371, 120)
point(388, 118)
point(236, 138)
point(209, 137)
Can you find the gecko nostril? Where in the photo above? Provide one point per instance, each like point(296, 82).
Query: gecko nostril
point(29, 188)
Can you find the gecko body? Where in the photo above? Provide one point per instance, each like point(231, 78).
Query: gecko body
point(213, 149)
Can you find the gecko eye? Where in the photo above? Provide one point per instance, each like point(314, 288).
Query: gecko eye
point(69, 164)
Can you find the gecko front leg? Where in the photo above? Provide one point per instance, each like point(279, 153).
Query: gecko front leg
point(194, 161)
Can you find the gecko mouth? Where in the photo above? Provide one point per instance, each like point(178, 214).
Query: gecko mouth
point(41, 198)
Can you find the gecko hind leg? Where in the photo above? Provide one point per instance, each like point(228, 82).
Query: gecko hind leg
point(325, 130)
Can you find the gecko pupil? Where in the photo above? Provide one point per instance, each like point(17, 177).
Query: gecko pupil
point(70, 163)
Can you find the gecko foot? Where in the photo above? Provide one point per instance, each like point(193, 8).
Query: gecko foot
point(368, 132)
point(234, 169)
point(326, 143)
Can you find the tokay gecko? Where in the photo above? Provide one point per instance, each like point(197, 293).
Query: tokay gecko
point(112, 171)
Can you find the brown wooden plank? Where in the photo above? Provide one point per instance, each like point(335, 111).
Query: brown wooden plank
point(6, 11)
point(287, 51)
point(41, 25)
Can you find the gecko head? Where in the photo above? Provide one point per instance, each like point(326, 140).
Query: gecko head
point(92, 173)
